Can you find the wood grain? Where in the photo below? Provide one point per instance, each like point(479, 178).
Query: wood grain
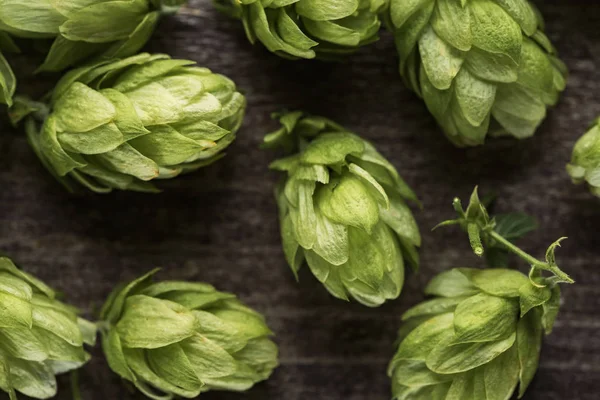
point(219, 225)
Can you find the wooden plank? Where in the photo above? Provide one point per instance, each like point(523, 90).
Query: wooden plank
point(220, 225)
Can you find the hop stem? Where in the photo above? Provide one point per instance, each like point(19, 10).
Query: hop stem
point(534, 262)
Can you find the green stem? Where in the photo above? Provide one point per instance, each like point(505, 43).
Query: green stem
point(534, 262)
point(511, 247)
point(75, 391)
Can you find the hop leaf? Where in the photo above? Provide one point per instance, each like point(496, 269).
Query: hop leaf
point(478, 338)
point(481, 66)
point(343, 209)
point(585, 161)
point(308, 28)
point(123, 123)
point(40, 336)
point(184, 338)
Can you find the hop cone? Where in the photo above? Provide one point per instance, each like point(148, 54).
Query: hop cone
point(480, 65)
point(84, 29)
point(121, 124)
point(182, 338)
point(478, 338)
point(308, 28)
point(342, 209)
point(585, 162)
point(40, 337)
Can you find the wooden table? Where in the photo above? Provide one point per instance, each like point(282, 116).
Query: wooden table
point(220, 225)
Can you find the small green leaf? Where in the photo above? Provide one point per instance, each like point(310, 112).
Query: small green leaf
point(529, 344)
point(250, 325)
point(332, 32)
point(104, 22)
point(174, 365)
point(32, 379)
point(81, 109)
point(14, 312)
point(348, 202)
point(59, 323)
point(22, 343)
point(167, 147)
point(318, 265)
point(422, 340)
point(550, 310)
point(113, 351)
point(39, 17)
point(483, 318)
point(449, 358)
point(433, 307)
point(494, 31)
point(99, 140)
point(113, 307)
point(332, 148)
point(462, 387)
point(452, 22)
point(207, 358)
point(497, 282)
point(532, 296)
point(8, 82)
point(371, 256)
point(220, 332)
point(127, 160)
point(475, 97)
point(501, 375)
point(372, 185)
point(441, 61)
point(451, 284)
point(291, 248)
point(136, 359)
point(414, 373)
point(324, 10)
point(332, 240)
point(151, 323)
point(402, 11)
point(15, 286)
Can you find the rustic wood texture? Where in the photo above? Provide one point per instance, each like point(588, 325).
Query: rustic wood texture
point(220, 225)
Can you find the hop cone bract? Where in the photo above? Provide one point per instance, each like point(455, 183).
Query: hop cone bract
point(8, 81)
point(123, 123)
point(40, 337)
point(183, 338)
point(308, 28)
point(585, 162)
point(343, 210)
point(84, 29)
point(480, 65)
point(478, 338)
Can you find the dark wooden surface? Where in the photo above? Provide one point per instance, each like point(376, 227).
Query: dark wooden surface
point(220, 225)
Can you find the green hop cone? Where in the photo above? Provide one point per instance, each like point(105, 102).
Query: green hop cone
point(84, 29)
point(124, 123)
point(182, 338)
point(585, 162)
point(308, 28)
point(480, 65)
point(40, 337)
point(343, 210)
point(478, 338)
